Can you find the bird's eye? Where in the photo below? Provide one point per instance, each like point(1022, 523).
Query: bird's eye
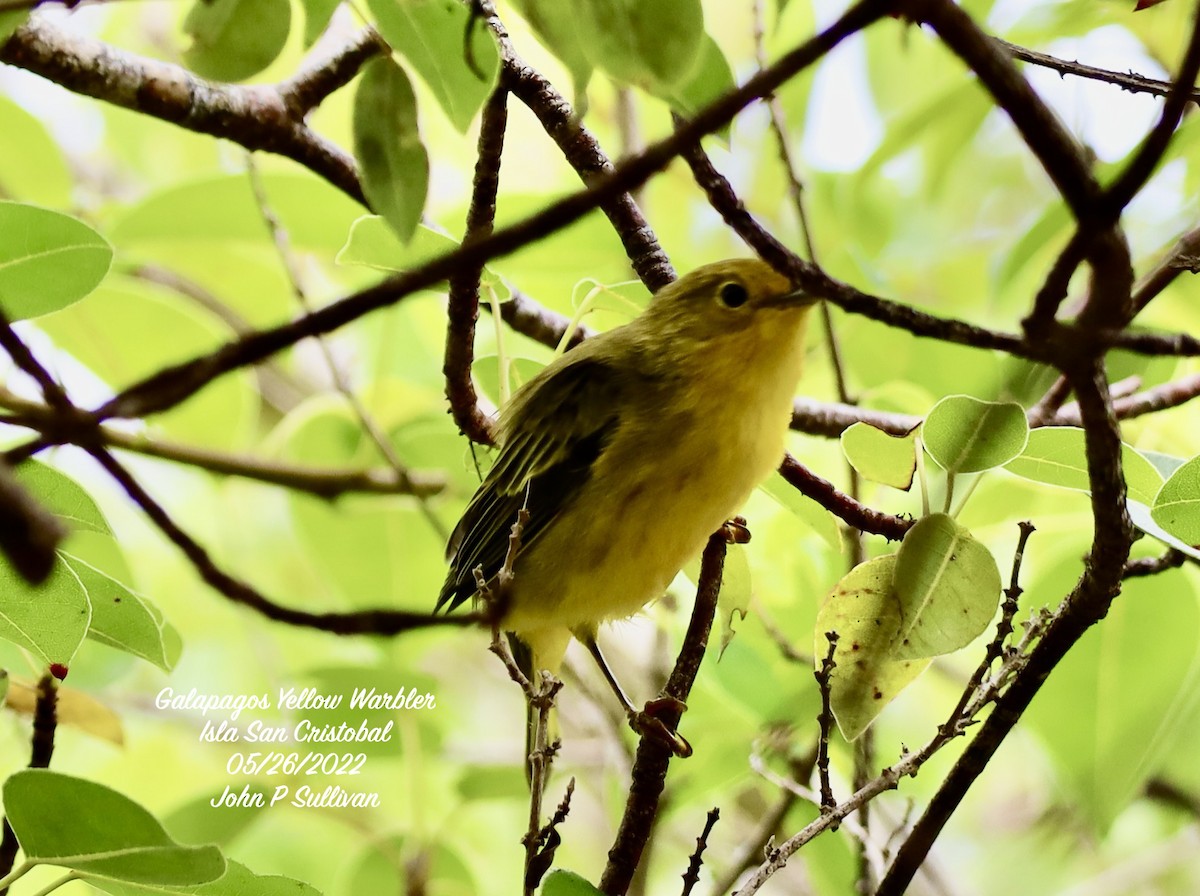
point(733, 294)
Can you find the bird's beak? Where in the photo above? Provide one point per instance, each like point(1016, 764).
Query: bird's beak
point(797, 298)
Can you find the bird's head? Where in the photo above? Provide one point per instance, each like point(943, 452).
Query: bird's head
point(743, 300)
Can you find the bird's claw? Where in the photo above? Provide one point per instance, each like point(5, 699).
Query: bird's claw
point(736, 531)
point(648, 724)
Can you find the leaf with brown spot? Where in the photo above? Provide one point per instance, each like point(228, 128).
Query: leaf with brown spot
point(865, 613)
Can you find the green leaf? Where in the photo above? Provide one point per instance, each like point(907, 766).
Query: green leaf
point(557, 27)
point(196, 822)
point(50, 619)
point(11, 21)
point(238, 880)
point(710, 78)
point(388, 145)
point(47, 260)
point(223, 210)
point(317, 14)
point(371, 243)
point(1142, 517)
point(1177, 506)
point(864, 611)
point(128, 330)
point(35, 169)
point(1165, 464)
point(430, 35)
point(948, 588)
point(87, 827)
point(125, 620)
point(812, 514)
point(1056, 455)
point(62, 495)
point(626, 39)
point(233, 40)
point(486, 372)
point(734, 597)
point(879, 456)
point(966, 435)
point(568, 883)
point(1122, 698)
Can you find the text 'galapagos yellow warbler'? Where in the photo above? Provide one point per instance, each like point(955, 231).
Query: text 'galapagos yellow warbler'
point(629, 451)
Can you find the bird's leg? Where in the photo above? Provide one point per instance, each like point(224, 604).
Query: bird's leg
point(645, 721)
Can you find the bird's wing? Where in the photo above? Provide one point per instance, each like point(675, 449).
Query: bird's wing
point(551, 435)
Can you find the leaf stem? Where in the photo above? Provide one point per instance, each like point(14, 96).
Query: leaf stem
point(65, 879)
point(966, 496)
point(16, 874)
point(921, 477)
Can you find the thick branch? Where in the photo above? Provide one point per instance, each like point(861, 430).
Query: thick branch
point(1059, 153)
point(1131, 180)
point(653, 755)
point(463, 307)
point(259, 117)
point(583, 153)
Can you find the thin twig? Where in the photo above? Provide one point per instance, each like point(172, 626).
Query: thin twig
point(842, 505)
point(910, 763)
point(691, 876)
point(322, 482)
point(1152, 566)
point(750, 851)
point(1127, 81)
point(825, 722)
point(1183, 256)
point(359, 622)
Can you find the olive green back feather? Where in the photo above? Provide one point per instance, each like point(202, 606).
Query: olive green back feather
point(551, 434)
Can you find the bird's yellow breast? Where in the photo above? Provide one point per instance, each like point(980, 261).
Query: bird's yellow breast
point(698, 453)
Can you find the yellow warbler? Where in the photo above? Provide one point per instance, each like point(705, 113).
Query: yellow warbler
point(629, 451)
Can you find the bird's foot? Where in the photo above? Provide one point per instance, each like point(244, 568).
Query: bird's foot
point(648, 724)
point(736, 531)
